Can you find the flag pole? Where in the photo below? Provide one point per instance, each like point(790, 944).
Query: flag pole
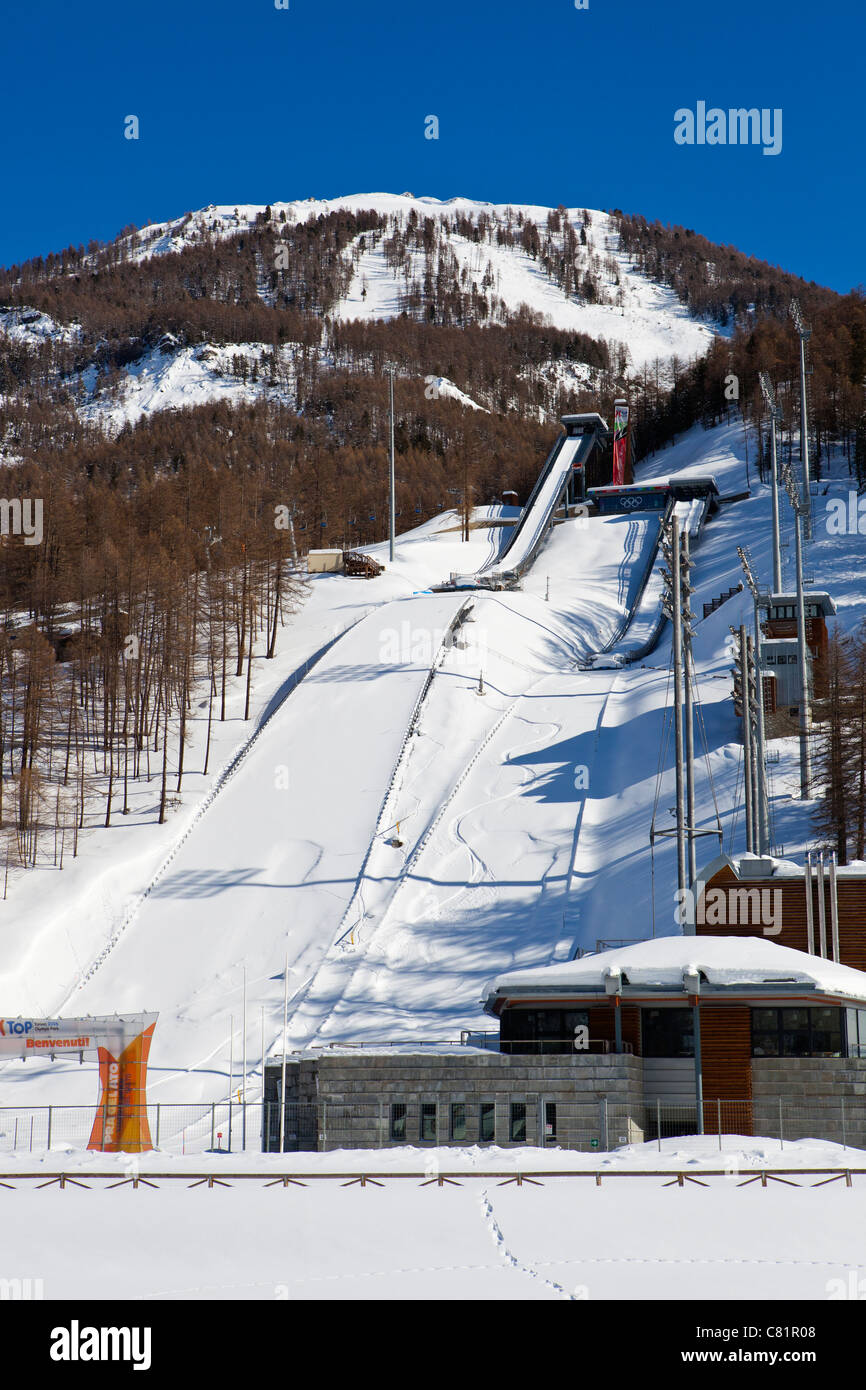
point(283, 1067)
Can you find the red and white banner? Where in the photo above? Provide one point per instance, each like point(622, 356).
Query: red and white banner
point(620, 442)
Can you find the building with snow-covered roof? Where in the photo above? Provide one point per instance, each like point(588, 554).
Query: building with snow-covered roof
point(780, 662)
point(674, 1035)
point(714, 1019)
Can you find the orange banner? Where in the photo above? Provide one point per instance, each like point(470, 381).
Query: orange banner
point(121, 1119)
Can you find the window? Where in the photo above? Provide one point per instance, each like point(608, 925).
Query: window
point(668, 1032)
point(550, 1119)
point(487, 1123)
point(458, 1121)
point(798, 1032)
point(518, 1122)
point(855, 1025)
point(428, 1121)
point(538, 1031)
point(398, 1123)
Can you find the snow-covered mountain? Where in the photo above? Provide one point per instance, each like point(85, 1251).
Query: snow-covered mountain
point(643, 323)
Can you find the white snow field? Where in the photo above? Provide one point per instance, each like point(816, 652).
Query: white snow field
point(555, 1238)
point(523, 816)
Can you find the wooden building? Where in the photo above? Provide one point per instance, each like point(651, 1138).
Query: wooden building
point(717, 1020)
point(818, 907)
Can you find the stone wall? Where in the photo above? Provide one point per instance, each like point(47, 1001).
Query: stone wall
point(448, 1097)
point(822, 1098)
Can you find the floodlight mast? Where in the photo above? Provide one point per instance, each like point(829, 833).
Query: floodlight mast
point(775, 417)
point(390, 368)
point(804, 335)
point(763, 800)
point(805, 710)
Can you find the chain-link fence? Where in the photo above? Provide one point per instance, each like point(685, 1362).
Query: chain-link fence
point(587, 1125)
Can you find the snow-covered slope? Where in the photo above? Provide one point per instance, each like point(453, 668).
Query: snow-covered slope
point(648, 320)
point(400, 871)
point(174, 377)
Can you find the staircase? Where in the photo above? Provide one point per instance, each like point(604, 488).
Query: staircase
point(723, 598)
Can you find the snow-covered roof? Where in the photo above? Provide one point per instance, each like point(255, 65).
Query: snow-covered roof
point(761, 867)
point(720, 962)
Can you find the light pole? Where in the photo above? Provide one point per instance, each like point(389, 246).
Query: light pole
point(283, 1061)
point(800, 508)
point(391, 513)
point(804, 335)
point(688, 667)
point(673, 554)
point(775, 417)
point(763, 807)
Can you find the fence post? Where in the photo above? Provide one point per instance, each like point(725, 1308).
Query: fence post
point(50, 1115)
point(265, 1136)
point(603, 1123)
point(719, 1113)
point(244, 1120)
point(158, 1103)
point(781, 1125)
point(659, 1122)
point(324, 1126)
point(31, 1133)
point(844, 1133)
point(212, 1122)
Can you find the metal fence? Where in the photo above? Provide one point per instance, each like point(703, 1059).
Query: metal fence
point(227, 1126)
point(588, 1125)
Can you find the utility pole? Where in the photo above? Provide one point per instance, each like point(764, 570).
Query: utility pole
point(675, 604)
point(748, 759)
point(391, 513)
point(674, 607)
point(775, 417)
point(762, 819)
point(688, 667)
point(800, 508)
point(804, 335)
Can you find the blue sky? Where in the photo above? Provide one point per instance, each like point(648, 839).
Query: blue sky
point(537, 102)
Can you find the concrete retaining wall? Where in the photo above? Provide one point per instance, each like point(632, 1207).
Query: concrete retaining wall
point(355, 1096)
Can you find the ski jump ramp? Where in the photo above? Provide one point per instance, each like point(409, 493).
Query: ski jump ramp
point(569, 452)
